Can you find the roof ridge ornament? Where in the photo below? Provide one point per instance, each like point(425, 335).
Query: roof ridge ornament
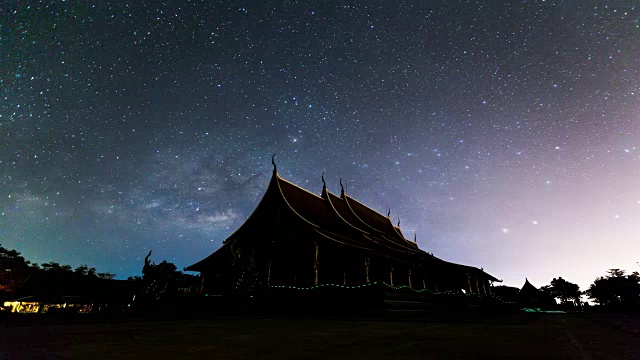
point(389, 213)
point(398, 221)
point(415, 238)
point(342, 192)
point(273, 162)
point(324, 183)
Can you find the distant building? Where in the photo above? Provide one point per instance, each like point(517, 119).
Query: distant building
point(297, 239)
point(532, 297)
point(47, 291)
point(40, 305)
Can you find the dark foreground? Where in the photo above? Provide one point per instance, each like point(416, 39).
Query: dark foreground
point(534, 336)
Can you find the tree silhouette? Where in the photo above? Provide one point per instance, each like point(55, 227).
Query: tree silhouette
point(56, 267)
point(617, 290)
point(85, 270)
point(615, 273)
point(14, 270)
point(81, 270)
point(18, 277)
point(565, 291)
point(106, 275)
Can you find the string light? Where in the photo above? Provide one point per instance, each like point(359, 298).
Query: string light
point(369, 285)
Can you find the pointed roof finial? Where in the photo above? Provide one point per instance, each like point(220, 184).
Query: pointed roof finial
point(389, 213)
point(398, 221)
point(341, 187)
point(324, 184)
point(415, 237)
point(273, 162)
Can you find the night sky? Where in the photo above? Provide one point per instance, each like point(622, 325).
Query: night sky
point(506, 136)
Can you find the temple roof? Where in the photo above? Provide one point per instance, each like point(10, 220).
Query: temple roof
point(528, 288)
point(341, 219)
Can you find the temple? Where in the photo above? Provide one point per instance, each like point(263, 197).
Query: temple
point(297, 239)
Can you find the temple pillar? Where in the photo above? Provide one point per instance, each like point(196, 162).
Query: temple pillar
point(484, 287)
point(410, 287)
point(424, 284)
point(391, 275)
point(269, 274)
point(315, 265)
point(477, 286)
point(366, 269)
point(469, 283)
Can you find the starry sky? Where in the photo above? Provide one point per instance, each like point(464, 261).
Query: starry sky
point(505, 135)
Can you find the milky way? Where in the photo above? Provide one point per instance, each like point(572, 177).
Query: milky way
point(505, 136)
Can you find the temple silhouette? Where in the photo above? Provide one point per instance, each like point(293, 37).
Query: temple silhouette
point(295, 239)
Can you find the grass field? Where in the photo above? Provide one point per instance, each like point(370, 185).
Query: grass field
point(519, 337)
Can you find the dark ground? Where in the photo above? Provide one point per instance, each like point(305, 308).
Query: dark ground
point(531, 336)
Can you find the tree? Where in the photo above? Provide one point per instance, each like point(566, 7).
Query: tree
point(19, 277)
point(56, 267)
point(81, 270)
point(617, 290)
point(106, 275)
point(11, 259)
point(567, 292)
point(615, 273)
point(14, 270)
